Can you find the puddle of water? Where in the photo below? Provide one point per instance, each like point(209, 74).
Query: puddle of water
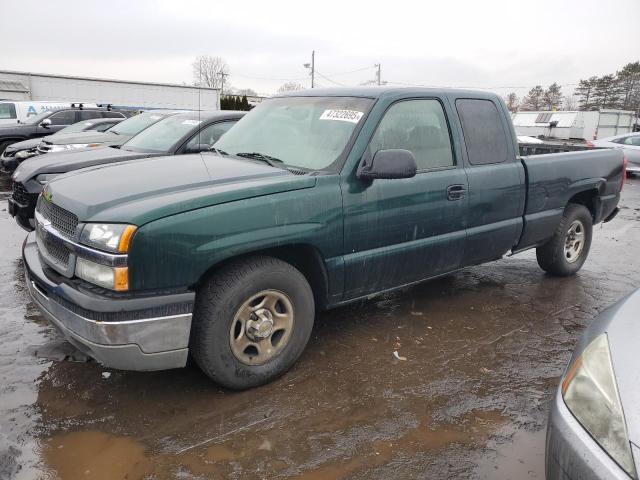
point(520, 459)
point(96, 455)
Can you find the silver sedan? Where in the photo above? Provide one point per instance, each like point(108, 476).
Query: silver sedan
point(594, 425)
point(630, 143)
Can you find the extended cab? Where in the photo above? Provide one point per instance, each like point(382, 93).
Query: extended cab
point(313, 200)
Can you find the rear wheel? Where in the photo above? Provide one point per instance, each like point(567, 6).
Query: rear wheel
point(251, 322)
point(565, 253)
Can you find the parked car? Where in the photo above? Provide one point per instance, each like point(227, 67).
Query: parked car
point(629, 143)
point(314, 199)
point(174, 134)
point(594, 425)
point(12, 112)
point(50, 122)
point(16, 153)
point(112, 138)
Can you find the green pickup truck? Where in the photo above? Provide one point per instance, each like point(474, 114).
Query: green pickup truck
point(313, 200)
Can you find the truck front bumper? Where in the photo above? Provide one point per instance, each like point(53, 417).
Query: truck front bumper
point(148, 333)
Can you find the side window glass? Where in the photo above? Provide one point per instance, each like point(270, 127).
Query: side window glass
point(635, 141)
point(210, 134)
point(419, 126)
point(484, 133)
point(67, 117)
point(89, 114)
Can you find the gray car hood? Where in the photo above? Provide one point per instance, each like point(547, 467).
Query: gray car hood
point(108, 138)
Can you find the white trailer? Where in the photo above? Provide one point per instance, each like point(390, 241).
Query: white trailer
point(574, 124)
point(119, 93)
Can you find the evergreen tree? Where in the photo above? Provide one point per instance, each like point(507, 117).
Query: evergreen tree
point(534, 99)
point(606, 93)
point(245, 104)
point(629, 86)
point(584, 91)
point(552, 98)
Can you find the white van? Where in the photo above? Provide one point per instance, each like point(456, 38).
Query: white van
point(15, 112)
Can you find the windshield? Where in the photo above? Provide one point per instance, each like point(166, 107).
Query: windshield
point(76, 127)
point(163, 135)
point(134, 125)
point(305, 132)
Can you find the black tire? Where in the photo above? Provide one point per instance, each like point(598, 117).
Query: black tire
point(552, 257)
point(218, 301)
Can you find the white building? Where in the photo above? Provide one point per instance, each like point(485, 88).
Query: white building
point(574, 124)
point(121, 93)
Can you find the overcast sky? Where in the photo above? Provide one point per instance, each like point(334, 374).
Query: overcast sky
point(494, 44)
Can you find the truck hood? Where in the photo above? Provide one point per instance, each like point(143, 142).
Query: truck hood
point(142, 191)
point(63, 162)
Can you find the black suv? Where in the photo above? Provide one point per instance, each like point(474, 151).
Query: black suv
point(50, 122)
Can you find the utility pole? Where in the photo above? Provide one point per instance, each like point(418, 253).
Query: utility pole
point(222, 76)
point(312, 66)
point(378, 74)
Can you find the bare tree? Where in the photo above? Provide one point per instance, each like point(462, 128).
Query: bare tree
point(570, 102)
point(209, 71)
point(290, 87)
point(512, 102)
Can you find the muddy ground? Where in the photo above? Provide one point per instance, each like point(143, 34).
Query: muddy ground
point(481, 352)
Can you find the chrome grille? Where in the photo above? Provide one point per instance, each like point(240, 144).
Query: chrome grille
point(20, 194)
point(54, 250)
point(62, 220)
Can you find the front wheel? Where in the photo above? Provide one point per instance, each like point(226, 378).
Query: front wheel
point(565, 253)
point(252, 320)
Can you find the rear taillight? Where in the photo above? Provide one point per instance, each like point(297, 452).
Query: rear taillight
point(590, 144)
point(624, 171)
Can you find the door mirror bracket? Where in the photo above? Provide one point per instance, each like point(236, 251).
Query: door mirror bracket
point(388, 164)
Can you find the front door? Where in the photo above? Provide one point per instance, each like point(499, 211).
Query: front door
point(403, 230)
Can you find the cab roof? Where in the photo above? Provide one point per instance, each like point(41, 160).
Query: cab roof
point(382, 91)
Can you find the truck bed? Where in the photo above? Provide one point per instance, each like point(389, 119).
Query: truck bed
point(554, 179)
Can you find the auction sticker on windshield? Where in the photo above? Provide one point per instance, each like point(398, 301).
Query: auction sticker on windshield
point(352, 116)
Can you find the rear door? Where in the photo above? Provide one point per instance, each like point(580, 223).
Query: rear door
point(496, 181)
point(404, 230)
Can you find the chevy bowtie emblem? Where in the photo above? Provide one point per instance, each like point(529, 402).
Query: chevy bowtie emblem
point(46, 193)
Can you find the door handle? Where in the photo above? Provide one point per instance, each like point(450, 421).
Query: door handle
point(456, 192)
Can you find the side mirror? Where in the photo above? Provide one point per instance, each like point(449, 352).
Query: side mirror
point(197, 148)
point(45, 123)
point(392, 163)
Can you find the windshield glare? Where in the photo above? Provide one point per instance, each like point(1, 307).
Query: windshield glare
point(76, 127)
point(163, 135)
point(134, 125)
point(305, 132)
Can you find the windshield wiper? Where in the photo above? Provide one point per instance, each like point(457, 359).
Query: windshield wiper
point(218, 151)
point(268, 159)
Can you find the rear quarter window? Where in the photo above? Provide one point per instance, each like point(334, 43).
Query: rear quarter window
point(484, 134)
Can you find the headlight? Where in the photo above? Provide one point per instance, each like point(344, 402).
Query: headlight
point(112, 237)
point(24, 154)
point(590, 392)
point(113, 278)
point(72, 146)
point(46, 177)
